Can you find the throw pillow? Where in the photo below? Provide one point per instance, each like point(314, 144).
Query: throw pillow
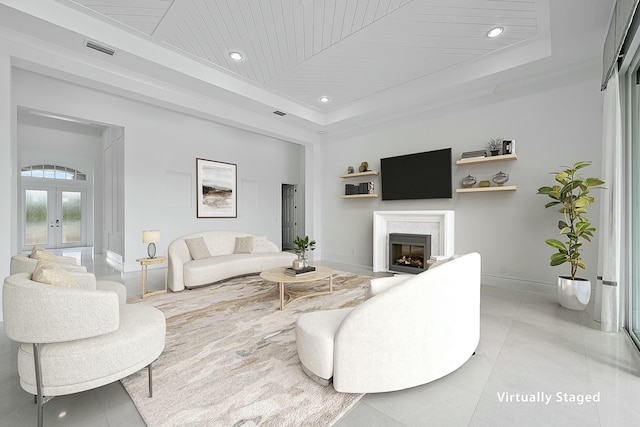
point(197, 248)
point(244, 245)
point(42, 254)
point(51, 274)
point(260, 244)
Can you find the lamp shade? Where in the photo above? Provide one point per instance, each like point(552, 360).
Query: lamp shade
point(150, 236)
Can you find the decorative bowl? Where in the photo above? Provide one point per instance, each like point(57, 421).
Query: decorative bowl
point(500, 178)
point(468, 181)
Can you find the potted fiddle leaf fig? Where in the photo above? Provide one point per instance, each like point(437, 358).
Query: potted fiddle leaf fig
point(572, 195)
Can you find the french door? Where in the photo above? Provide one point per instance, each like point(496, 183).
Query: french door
point(54, 217)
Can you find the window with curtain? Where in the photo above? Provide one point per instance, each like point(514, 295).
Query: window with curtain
point(634, 324)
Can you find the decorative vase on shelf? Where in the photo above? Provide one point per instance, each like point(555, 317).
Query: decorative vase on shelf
point(495, 152)
point(468, 181)
point(500, 178)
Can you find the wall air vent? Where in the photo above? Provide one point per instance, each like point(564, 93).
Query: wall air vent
point(280, 113)
point(99, 47)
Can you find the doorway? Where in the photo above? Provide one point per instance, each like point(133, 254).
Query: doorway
point(64, 176)
point(289, 215)
point(54, 217)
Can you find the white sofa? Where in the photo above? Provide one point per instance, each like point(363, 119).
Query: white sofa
point(409, 331)
point(224, 262)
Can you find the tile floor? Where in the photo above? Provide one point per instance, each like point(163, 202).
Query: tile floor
point(529, 346)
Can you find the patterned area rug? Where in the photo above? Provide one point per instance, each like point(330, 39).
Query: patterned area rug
point(230, 358)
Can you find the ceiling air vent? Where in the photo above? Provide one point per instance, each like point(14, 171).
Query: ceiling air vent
point(280, 113)
point(99, 47)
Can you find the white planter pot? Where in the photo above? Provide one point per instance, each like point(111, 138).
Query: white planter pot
point(573, 294)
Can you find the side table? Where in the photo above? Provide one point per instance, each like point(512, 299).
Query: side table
point(145, 263)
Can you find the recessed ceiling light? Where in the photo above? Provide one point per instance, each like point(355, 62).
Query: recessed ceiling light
point(495, 32)
point(324, 99)
point(236, 56)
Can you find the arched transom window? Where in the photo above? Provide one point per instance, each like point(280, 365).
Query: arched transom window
point(53, 172)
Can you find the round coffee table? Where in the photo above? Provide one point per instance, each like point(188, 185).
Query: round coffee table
point(278, 275)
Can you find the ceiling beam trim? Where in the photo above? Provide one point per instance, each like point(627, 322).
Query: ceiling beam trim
point(99, 30)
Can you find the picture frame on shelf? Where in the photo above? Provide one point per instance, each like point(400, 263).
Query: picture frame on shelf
point(216, 189)
point(508, 146)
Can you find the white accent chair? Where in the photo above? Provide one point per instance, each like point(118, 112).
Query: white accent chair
point(410, 331)
point(76, 339)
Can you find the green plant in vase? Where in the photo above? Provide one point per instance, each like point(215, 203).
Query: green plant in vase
point(303, 245)
point(494, 146)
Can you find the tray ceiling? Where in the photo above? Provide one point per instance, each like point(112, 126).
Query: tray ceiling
point(347, 50)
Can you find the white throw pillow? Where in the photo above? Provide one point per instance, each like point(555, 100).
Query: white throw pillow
point(260, 245)
point(51, 274)
point(40, 253)
point(197, 248)
point(244, 245)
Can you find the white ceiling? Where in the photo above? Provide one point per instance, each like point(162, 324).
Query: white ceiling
point(373, 58)
point(345, 49)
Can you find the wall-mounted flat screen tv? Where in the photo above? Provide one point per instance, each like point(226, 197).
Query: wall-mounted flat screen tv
point(417, 176)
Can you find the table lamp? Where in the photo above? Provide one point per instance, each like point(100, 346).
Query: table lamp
point(151, 237)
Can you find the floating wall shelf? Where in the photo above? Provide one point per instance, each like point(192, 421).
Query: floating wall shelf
point(484, 189)
point(358, 196)
point(357, 174)
point(486, 159)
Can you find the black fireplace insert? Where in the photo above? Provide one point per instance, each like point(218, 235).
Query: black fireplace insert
point(408, 253)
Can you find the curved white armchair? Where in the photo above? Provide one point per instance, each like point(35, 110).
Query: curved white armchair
point(22, 263)
point(76, 339)
point(410, 331)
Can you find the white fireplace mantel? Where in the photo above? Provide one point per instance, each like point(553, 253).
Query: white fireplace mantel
point(439, 224)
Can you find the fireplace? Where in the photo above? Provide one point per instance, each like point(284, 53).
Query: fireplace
point(408, 253)
point(439, 224)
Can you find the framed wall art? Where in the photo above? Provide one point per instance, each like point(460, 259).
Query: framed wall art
point(216, 189)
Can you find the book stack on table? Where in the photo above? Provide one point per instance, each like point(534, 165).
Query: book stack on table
point(302, 272)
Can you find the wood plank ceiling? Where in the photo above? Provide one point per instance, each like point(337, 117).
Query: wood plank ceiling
point(344, 49)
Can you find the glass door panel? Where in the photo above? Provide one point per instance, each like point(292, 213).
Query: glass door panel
point(71, 204)
point(54, 218)
point(36, 218)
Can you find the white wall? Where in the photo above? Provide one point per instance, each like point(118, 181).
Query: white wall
point(554, 121)
point(160, 151)
point(7, 167)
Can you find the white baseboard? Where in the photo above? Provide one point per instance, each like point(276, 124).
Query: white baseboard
point(518, 283)
point(346, 259)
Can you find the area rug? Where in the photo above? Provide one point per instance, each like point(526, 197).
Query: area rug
point(230, 358)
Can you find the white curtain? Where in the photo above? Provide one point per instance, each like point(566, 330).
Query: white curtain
point(607, 301)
